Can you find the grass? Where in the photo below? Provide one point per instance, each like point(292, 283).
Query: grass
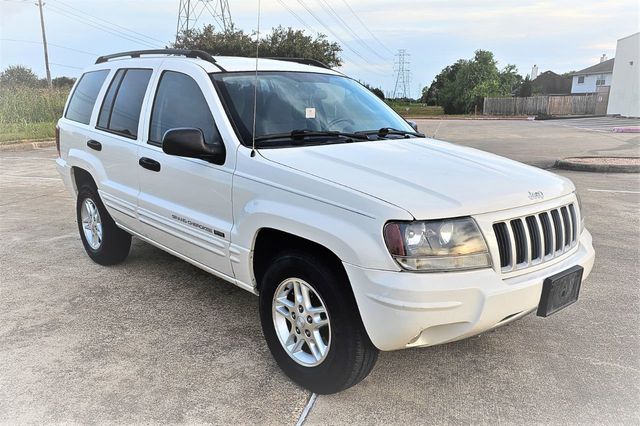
point(15, 132)
point(30, 113)
point(407, 109)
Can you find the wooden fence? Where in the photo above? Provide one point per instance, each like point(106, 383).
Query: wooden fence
point(534, 105)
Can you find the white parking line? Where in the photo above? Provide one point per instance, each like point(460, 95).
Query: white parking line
point(621, 191)
point(27, 158)
point(28, 177)
point(307, 408)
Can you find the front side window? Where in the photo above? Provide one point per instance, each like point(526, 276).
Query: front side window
point(300, 101)
point(179, 102)
point(84, 96)
point(120, 112)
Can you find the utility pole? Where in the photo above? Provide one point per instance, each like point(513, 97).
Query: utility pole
point(190, 11)
point(402, 88)
point(44, 43)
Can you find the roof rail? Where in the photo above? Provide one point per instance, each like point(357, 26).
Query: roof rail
point(304, 61)
point(189, 53)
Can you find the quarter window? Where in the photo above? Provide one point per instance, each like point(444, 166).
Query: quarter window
point(84, 96)
point(179, 102)
point(120, 112)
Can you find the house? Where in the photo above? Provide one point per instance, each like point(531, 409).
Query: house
point(624, 98)
point(590, 79)
point(550, 83)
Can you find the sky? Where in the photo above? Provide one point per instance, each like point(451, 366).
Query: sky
point(561, 35)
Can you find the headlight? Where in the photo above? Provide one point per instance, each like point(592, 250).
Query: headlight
point(580, 211)
point(437, 245)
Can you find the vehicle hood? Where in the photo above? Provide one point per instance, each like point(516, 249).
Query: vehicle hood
point(426, 177)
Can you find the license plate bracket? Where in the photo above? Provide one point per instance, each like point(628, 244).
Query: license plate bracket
point(560, 291)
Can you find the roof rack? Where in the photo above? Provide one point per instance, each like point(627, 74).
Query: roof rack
point(189, 53)
point(304, 61)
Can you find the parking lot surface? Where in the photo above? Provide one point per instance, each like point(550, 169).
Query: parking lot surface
point(540, 143)
point(156, 340)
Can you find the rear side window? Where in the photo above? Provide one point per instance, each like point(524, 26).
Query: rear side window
point(107, 103)
point(84, 96)
point(179, 102)
point(120, 112)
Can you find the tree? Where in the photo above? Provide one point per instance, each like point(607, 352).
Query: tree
point(375, 90)
point(63, 82)
point(18, 75)
point(462, 86)
point(526, 88)
point(281, 42)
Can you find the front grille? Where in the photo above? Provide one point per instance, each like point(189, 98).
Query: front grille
point(533, 239)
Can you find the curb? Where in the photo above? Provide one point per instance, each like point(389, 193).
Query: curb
point(567, 117)
point(567, 164)
point(478, 118)
point(26, 146)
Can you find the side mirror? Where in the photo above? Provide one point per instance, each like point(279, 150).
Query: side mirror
point(189, 142)
point(413, 124)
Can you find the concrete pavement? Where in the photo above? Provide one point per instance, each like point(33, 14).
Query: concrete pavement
point(156, 340)
point(539, 143)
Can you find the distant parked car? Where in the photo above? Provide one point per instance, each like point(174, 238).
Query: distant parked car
point(298, 184)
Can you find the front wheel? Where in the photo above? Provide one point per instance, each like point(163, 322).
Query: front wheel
point(312, 324)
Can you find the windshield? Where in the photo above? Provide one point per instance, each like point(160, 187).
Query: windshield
point(295, 101)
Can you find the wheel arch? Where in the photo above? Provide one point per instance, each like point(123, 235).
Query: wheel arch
point(80, 177)
point(270, 242)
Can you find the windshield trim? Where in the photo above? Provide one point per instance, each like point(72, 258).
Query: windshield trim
point(245, 140)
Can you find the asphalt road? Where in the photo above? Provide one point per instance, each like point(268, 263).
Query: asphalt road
point(156, 340)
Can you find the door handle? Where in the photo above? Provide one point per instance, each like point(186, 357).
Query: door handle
point(149, 164)
point(94, 145)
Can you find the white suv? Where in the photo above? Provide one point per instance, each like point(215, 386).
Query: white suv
point(298, 184)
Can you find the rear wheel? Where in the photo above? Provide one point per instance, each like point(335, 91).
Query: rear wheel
point(312, 325)
point(103, 241)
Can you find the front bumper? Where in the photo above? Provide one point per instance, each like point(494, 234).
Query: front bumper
point(403, 309)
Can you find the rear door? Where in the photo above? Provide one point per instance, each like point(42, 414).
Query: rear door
point(185, 203)
point(115, 141)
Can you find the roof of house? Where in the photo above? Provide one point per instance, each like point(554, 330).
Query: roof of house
point(550, 83)
point(601, 68)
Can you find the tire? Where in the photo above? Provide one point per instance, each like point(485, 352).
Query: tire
point(349, 355)
point(113, 244)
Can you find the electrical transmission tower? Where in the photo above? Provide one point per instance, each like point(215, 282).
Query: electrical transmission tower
point(402, 88)
point(190, 12)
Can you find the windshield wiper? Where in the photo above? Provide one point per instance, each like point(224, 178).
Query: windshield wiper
point(391, 131)
point(298, 136)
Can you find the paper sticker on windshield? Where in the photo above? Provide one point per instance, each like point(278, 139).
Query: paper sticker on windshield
point(310, 113)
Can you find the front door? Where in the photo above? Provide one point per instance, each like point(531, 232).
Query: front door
point(185, 203)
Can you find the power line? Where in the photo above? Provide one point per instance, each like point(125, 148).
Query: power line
point(109, 22)
point(366, 27)
point(83, 20)
point(327, 7)
point(50, 44)
point(312, 31)
point(295, 15)
point(66, 66)
point(326, 27)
